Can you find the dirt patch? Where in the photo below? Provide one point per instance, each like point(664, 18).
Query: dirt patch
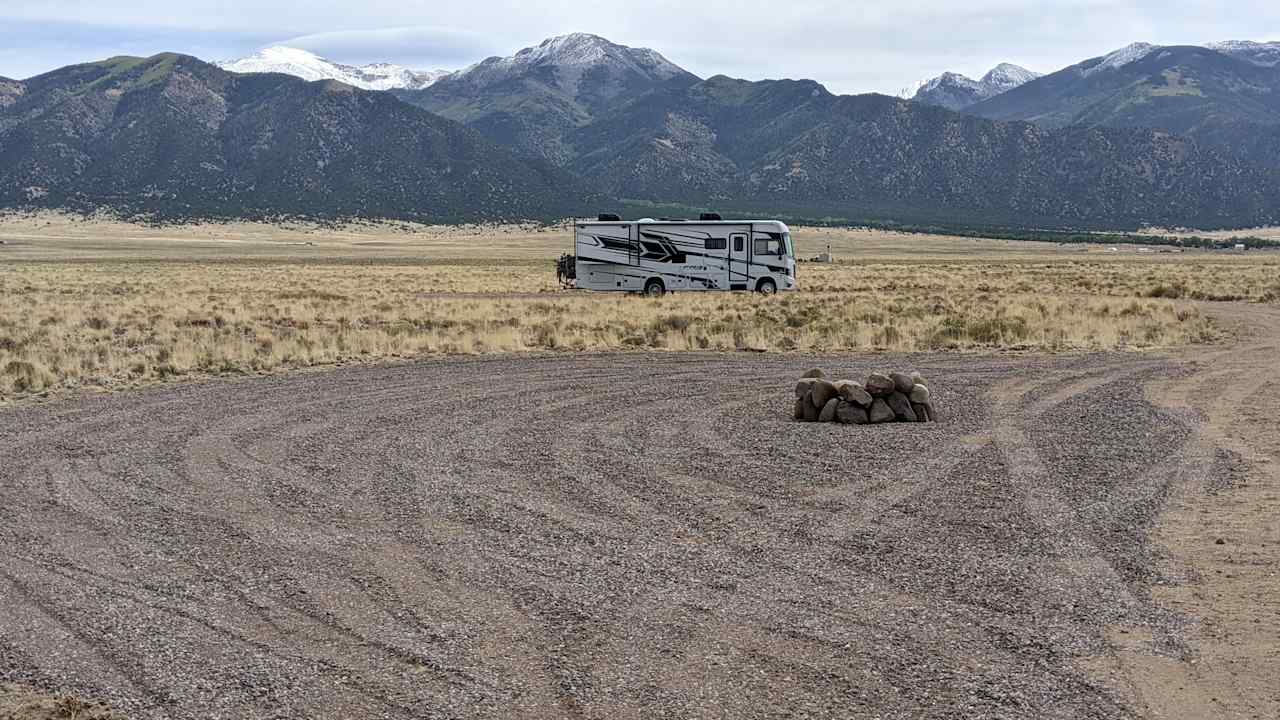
point(1085, 536)
point(18, 702)
point(1220, 539)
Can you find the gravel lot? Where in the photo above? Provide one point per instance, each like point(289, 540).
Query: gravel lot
point(643, 535)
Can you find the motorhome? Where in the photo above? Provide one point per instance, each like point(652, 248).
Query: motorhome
point(654, 257)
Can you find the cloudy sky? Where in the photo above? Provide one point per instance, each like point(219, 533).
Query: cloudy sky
point(850, 46)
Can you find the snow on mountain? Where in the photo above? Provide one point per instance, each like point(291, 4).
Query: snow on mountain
point(1007, 76)
point(309, 66)
point(1266, 54)
point(570, 57)
point(1130, 53)
point(956, 92)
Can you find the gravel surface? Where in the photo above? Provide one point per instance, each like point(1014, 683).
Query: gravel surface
point(644, 535)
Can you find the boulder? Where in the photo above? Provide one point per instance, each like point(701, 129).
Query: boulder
point(932, 411)
point(822, 391)
point(803, 386)
point(856, 394)
point(810, 410)
point(901, 407)
point(828, 413)
point(850, 414)
point(902, 382)
point(919, 394)
point(799, 414)
point(880, 412)
point(921, 410)
point(879, 384)
point(814, 373)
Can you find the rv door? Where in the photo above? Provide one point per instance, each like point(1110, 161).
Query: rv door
point(739, 260)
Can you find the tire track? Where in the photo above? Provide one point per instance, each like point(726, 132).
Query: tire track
point(631, 535)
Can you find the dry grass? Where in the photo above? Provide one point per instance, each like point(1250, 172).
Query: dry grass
point(118, 306)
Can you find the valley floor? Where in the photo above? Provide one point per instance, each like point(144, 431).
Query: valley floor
point(477, 532)
point(98, 306)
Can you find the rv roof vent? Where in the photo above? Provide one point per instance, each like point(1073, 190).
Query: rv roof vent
point(608, 217)
point(710, 216)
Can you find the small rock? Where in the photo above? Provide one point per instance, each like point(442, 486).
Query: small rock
point(850, 414)
point(803, 386)
point(901, 407)
point(1219, 541)
point(880, 412)
point(828, 413)
point(822, 391)
point(879, 384)
point(902, 382)
point(799, 415)
point(919, 394)
point(814, 373)
point(918, 379)
point(810, 410)
point(856, 394)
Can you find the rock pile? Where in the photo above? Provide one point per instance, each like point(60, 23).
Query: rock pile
point(896, 397)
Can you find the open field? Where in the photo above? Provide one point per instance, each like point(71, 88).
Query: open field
point(95, 305)
point(61, 237)
point(650, 535)
point(1269, 233)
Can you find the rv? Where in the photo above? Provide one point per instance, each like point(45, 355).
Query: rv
point(654, 257)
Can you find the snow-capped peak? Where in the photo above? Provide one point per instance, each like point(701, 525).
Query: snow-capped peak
point(956, 92)
point(570, 57)
point(1007, 76)
point(309, 66)
point(1266, 54)
point(950, 78)
point(1130, 53)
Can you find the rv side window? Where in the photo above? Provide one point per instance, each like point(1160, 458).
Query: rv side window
point(716, 244)
point(768, 246)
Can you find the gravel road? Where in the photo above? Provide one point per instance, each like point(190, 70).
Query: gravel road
point(642, 535)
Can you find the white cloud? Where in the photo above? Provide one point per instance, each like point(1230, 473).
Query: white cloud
point(417, 46)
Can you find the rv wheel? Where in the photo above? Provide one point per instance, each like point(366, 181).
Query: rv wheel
point(654, 288)
point(767, 287)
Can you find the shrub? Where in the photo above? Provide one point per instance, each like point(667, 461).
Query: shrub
point(1171, 292)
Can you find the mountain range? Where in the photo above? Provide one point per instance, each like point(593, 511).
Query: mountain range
point(530, 101)
point(792, 144)
point(957, 92)
point(1159, 135)
point(1177, 88)
point(1224, 96)
point(174, 137)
